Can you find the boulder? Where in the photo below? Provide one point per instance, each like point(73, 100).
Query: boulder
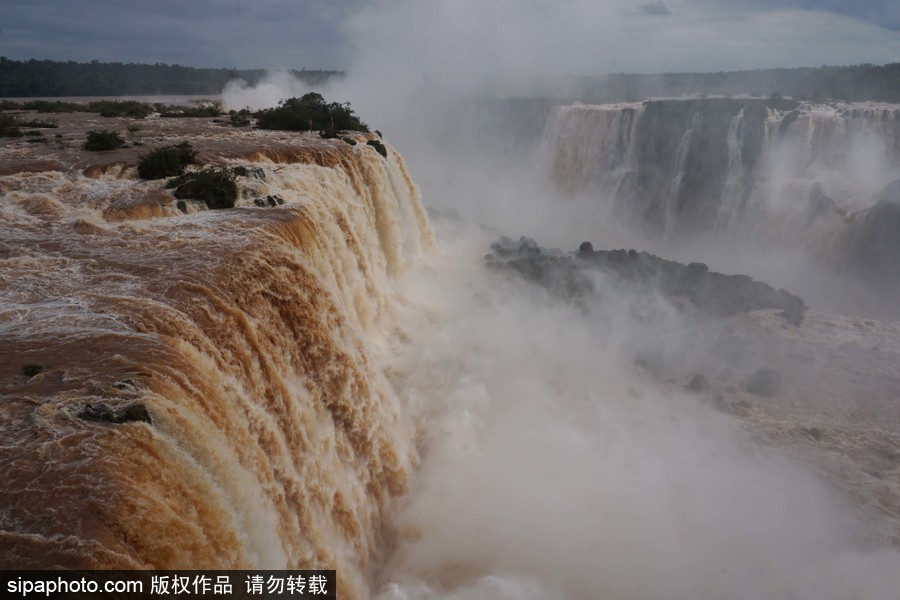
point(763, 382)
point(103, 413)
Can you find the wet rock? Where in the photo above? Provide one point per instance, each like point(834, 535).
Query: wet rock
point(103, 413)
point(31, 370)
point(764, 382)
point(874, 243)
point(812, 432)
point(269, 200)
point(99, 413)
point(134, 412)
point(585, 250)
point(698, 383)
point(254, 172)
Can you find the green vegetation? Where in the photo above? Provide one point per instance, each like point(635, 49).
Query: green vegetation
point(215, 186)
point(33, 78)
point(206, 109)
point(103, 140)
point(43, 106)
point(9, 127)
point(120, 108)
point(116, 108)
point(39, 124)
point(864, 82)
point(382, 150)
point(240, 118)
point(168, 161)
point(310, 112)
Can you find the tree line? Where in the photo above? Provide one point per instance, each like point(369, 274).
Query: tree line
point(865, 82)
point(36, 78)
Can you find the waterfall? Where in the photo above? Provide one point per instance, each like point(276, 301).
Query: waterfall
point(686, 166)
point(252, 337)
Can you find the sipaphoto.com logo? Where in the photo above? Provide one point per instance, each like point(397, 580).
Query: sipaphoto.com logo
point(46, 585)
point(175, 585)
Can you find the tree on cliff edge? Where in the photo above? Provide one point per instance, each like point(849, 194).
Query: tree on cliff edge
point(310, 112)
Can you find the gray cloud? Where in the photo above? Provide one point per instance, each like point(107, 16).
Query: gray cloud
point(654, 8)
point(882, 13)
point(313, 33)
point(222, 33)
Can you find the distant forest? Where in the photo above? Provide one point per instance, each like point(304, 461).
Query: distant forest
point(855, 83)
point(35, 78)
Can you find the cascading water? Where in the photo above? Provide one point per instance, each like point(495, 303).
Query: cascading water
point(250, 339)
point(703, 158)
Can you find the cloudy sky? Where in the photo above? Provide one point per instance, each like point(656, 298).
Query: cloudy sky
point(575, 36)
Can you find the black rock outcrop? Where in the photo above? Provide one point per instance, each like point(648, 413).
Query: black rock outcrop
point(103, 413)
point(874, 244)
point(571, 275)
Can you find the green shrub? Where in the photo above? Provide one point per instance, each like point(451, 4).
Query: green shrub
point(168, 161)
point(216, 187)
point(379, 147)
point(9, 127)
point(103, 140)
point(52, 106)
point(240, 118)
point(40, 124)
point(121, 108)
point(310, 112)
point(200, 110)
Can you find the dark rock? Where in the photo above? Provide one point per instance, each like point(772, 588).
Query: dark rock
point(764, 382)
point(708, 292)
point(813, 432)
point(585, 250)
point(528, 247)
point(698, 383)
point(349, 140)
point(820, 203)
point(103, 413)
point(255, 172)
point(31, 370)
point(874, 243)
point(134, 412)
point(126, 385)
point(719, 403)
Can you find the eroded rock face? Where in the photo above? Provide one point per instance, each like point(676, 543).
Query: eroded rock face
point(570, 275)
point(874, 247)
